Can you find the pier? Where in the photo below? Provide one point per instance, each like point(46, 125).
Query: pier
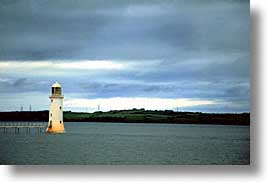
point(22, 126)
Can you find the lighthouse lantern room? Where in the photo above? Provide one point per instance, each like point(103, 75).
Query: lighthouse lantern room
point(55, 122)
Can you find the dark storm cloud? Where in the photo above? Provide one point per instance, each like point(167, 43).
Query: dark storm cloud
point(119, 29)
point(30, 30)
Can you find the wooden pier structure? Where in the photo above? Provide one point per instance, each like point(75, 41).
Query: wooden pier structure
point(26, 126)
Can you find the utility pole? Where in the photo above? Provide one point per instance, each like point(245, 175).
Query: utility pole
point(21, 108)
point(30, 107)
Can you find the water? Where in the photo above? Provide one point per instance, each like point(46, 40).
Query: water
point(122, 143)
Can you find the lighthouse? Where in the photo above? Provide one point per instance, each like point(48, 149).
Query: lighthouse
point(55, 122)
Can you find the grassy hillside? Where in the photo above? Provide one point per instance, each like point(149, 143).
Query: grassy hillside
point(135, 116)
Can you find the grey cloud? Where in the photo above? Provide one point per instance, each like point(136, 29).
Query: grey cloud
point(20, 82)
point(229, 91)
point(95, 29)
point(21, 85)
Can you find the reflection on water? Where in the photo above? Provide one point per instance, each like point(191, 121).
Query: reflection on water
point(122, 143)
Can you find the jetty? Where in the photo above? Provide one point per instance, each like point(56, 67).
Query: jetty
point(22, 126)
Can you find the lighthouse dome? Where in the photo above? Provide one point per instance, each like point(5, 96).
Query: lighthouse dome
point(56, 85)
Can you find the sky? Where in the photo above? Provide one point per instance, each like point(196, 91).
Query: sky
point(181, 55)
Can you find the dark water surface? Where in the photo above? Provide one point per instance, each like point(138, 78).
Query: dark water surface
point(122, 143)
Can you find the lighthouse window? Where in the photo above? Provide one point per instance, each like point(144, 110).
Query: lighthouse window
point(51, 114)
point(60, 122)
point(51, 100)
point(56, 90)
point(60, 107)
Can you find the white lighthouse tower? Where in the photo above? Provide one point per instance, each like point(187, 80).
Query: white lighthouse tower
point(55, 122)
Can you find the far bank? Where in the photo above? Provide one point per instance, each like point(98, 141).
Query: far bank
point(135, 116)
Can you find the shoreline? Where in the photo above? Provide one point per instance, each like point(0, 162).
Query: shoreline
point(133, 116)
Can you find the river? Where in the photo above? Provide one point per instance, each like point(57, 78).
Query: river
point(129, 143)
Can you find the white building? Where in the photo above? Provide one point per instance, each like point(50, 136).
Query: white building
point(55, 122)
